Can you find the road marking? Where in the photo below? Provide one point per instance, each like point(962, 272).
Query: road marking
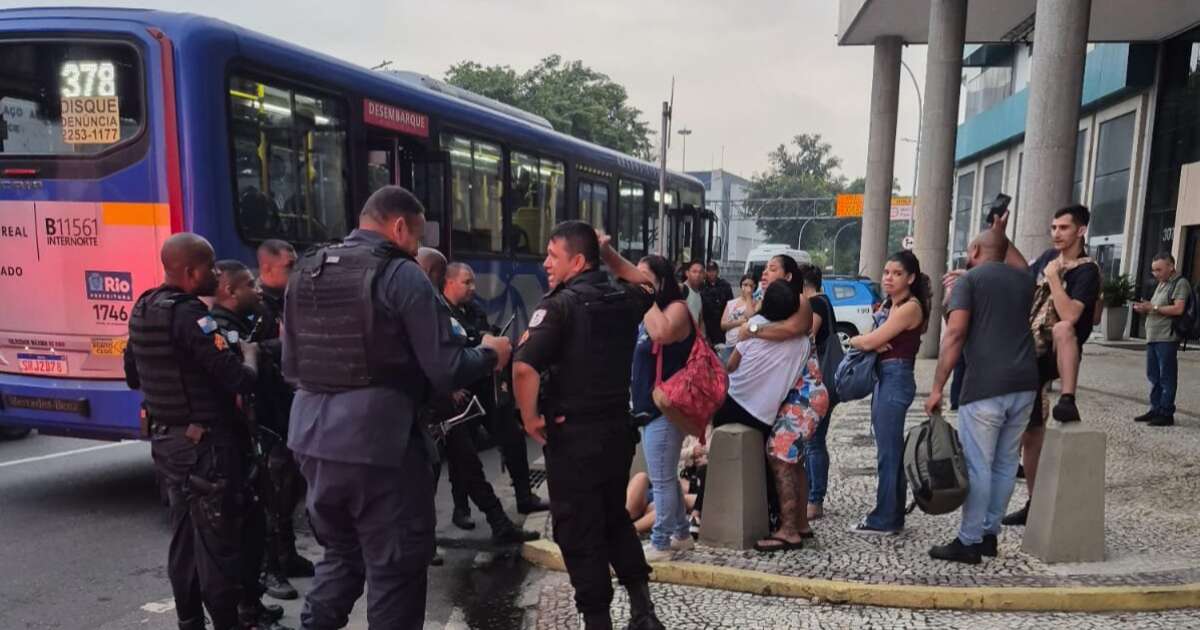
point(165, 606)
point(40, 458)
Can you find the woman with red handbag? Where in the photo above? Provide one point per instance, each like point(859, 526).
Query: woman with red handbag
point(665, 339)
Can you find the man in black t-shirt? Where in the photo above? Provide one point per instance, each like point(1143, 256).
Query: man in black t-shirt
point(1068, 287)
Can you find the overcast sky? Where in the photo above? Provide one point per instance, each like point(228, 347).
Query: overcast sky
point(748, 75)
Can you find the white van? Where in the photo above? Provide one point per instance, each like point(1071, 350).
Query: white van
point(756, 261)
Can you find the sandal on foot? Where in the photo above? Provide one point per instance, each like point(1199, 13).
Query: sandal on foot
point(785, 545)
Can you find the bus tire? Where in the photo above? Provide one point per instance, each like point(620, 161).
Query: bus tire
point(14, 433)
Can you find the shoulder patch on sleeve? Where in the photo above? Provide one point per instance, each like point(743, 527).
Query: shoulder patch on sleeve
point(207, 324)
point(537, 317)
point(220, 343)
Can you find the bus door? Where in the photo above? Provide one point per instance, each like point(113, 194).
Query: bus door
point(392, 160)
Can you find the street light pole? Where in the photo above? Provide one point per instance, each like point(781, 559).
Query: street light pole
point(917, 157)
point(835, 238)
point(685, 132)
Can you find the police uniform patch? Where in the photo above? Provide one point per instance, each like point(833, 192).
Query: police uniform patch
point(232, 336)
point(537, 318)
point(220, 343)
point(207, 324)
point(457, 329)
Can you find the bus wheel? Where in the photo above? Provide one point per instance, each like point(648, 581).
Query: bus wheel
point(13, 433)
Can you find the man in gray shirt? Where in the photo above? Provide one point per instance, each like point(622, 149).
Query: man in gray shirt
point(989, 315)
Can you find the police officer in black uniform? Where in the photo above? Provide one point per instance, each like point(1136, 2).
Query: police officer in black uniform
point(368, 344)
point(458, 291)
point(462, 456)
point(189, 378)
point(233, 309)
point(582, 335)
point(276, 258)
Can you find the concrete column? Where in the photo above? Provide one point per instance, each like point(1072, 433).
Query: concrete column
point(881, 156)
point(1052, 119)
point(939, 128)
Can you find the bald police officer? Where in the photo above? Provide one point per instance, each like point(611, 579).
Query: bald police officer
point(368, 344)
point(189, 379)
point(582, 335)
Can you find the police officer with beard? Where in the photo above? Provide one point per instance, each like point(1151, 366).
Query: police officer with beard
point(368, 344)
point(582, 335)
point(189, 378)
point(276, 258)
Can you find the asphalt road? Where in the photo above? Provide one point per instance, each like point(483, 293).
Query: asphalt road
point(85, 544)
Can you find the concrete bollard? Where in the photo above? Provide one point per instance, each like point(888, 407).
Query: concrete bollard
point(1066, 515)
point(735, 490)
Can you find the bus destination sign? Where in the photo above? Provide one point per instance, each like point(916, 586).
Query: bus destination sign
point(395, 118)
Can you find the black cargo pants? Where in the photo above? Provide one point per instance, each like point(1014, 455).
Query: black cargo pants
point(587, 468)
point(206, 492)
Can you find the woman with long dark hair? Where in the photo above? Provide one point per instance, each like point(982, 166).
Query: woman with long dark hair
point(667, 333)
point(816, 450)
point(899, 323)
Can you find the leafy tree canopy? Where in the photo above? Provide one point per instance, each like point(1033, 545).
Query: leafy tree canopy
point(576, 99)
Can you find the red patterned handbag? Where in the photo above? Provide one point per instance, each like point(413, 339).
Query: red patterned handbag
point(693, 394)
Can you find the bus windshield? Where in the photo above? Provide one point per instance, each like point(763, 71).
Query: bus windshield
point(60, 97)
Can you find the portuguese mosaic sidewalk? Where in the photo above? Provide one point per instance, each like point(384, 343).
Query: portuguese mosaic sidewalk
point(1152, 481)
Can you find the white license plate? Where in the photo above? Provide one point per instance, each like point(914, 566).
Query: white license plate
point(42, 364)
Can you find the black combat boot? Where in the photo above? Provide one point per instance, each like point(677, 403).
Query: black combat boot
point(505, 532)
point(259, 617)
point(597, 621)
point(641, 609)
point(277, 585)
point(195, 623)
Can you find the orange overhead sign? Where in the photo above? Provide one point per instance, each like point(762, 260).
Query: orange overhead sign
point(849, 205)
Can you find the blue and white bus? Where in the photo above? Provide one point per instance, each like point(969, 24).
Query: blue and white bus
point(120, 127)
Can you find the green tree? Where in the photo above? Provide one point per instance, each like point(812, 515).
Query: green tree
point(576, 99)
point(801, 181)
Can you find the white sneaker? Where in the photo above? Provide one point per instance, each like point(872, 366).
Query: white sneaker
point(682, 544)
point(654, 554)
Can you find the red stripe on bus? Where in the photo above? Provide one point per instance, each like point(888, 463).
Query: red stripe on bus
point(170, 124)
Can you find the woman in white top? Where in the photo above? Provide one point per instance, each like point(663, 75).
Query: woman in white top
point(761, 374)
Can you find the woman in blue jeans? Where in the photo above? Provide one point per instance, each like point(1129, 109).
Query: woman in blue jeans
point(899, 323)
point(666, 333)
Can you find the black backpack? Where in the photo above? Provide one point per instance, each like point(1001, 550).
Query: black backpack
point(1187, 325)
point(935, 466)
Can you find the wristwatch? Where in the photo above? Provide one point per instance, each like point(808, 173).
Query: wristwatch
point(754, 328)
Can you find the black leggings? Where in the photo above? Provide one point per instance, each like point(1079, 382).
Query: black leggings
point(733, 413)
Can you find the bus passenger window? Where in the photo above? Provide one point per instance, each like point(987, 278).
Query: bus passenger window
point(537, 201)
point(593, 204)
point(290, 161)
point(631, 238)
point(476, 195)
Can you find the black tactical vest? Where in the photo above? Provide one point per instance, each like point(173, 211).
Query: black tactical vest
point(175, 388)
point(341, 339)
point(593, 378)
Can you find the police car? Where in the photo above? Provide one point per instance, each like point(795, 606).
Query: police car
point(854, 299)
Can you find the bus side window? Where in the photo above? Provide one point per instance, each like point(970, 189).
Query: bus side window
point(537, 201)
point(289, 152)
point(631, 239)
point(476, 195)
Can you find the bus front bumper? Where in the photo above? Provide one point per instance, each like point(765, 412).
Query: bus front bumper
point(98, 409)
